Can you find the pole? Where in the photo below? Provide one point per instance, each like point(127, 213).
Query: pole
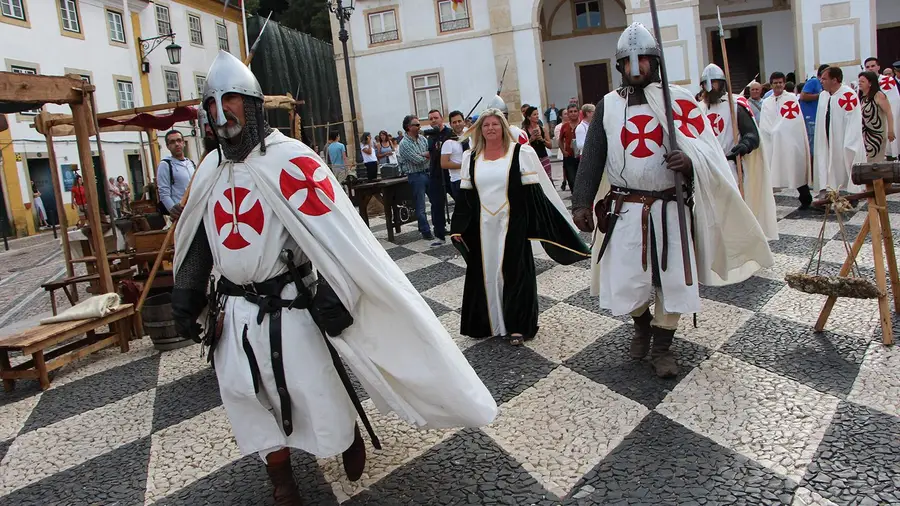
point(109, 202)
point(343, 16)
point(244, 26)
point(673, 146)
point(57, 195)
point(734, 124)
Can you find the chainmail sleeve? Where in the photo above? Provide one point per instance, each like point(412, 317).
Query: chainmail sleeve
point(593, 162)
point(198, 263)
point(749, 133)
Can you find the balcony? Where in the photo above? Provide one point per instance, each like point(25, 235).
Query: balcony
point(454, 24)
point(380, 37)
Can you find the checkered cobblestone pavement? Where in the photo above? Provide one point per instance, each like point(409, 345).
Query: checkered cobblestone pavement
point(765, 411)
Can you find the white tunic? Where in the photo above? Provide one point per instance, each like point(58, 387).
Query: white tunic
point(246, 239)
point(635, 160)
point(719, 116)
point(491, 181)
point(782, 132)
point(837, 152)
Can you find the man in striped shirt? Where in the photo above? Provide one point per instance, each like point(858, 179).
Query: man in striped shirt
point(413, 158)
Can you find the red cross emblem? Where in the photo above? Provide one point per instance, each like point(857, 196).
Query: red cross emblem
point(717, 122)
point(313, 205)
point(642, 135)
point(252, 218)
point(887, 83)
point(746, 103)
point(790, 110)
point(848, 101)
point(688, 118)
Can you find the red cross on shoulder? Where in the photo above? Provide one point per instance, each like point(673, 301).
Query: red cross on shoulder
point(848, 101)
point(688, 118)
point(312, 205)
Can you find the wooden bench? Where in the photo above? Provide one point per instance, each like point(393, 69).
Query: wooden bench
point(36, 341)
point(73, 281)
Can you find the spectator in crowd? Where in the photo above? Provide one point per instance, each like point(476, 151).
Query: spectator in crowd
point(369, 156)
point(79, 201)
point(174, 174)
point(413, 156)
point(552, 115)
point(872, 65)
point(385, 148)
point(439, 186)
point(878, 117)
point(755, 99)
point(38, 205)
point(336, 155)
point(452, 151)
point(809, 104)
point(115, 198)
point(538, 138)
point(567, 145)
point(587, 115)
point(790, 86)
point(125, 193)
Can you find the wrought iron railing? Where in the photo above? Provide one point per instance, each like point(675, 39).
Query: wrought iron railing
point(387, 36)
point(454, 24)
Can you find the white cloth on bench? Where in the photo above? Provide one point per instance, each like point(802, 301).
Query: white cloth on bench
point(97, 306)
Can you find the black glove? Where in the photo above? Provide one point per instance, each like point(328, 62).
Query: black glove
point(739, 149)
point(328, 310)
point(584, 219)
point(679, 162)
point(186, 308)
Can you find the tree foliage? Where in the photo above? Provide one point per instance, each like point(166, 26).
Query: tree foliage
point(308, 16)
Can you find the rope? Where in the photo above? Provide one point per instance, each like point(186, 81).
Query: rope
point(838, 204)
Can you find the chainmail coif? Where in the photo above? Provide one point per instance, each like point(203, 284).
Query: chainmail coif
point(255, 129)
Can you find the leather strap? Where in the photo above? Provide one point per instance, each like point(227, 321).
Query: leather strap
point(646, 199)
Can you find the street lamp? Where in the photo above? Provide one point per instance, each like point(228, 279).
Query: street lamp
point(342, 13)
point(173, 50)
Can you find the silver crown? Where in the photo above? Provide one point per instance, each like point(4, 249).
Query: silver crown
point(711, 73)
point(636, 41)
point(228, 74)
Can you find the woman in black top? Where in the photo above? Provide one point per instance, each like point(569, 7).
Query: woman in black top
point(537, 137)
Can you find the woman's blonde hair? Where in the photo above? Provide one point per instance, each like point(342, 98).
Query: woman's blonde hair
point(477, 138)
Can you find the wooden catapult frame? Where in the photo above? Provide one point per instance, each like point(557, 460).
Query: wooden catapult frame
point(877, 225)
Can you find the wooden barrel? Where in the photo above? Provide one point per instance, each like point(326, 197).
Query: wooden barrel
point(160, 325)
point(866, 173)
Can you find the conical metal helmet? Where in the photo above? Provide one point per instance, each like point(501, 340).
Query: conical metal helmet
point(636, 41)
point(228, 74)
point(497, 103)
point(711, 73)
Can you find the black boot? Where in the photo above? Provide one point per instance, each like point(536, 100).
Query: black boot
point(640, 343)
point(661, 355)
point(355, 456)
point(282, 477)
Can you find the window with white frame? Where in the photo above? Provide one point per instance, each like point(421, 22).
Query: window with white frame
point(20, 69)
point(125, 91)
point(588, 14)
point(222, 35)
point(383, 27)
point(116, 26)
point(68, 10)
point(163, 25)
point(196, 32)
point(454, 15)
point(173, 87)
point(427, 94)
point(86, 78)
point(200, 82)
point(12, 9)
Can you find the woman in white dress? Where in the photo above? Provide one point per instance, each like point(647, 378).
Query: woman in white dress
point(506, 200)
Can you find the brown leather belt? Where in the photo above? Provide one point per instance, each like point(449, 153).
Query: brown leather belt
point(647, 198)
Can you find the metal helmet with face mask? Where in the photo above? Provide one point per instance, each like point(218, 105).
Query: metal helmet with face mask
point(711, 73)
point(228, 74)
point(497, 103)
point(635, 41)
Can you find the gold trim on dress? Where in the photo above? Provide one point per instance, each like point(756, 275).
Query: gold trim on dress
point(586, 255)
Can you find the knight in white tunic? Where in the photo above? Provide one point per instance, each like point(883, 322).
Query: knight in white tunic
point(627, 178)
point(269, 221)
point(782, 130)
point(733, 125)
point(839, 138)
point(889, 85)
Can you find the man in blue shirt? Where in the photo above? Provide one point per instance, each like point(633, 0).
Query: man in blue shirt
point(337, 152)
point(174, 174)
point(809, 103)
point(414, 159)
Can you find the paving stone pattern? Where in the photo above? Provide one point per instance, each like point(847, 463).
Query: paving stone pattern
point(765, 410)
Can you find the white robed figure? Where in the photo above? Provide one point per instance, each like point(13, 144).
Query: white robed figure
point(785, 142)
point(280, 384)
point(839, 138)
point(888, 85)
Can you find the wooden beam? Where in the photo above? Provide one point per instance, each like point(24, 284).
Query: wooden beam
point(57, 194)
point(81, 114)
point(43, 89)
point(131, 112)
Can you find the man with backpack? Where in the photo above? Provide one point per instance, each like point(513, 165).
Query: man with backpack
point(173, 175)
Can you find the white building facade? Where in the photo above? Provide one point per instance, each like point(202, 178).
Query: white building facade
point(410, 56)
point(99, 40)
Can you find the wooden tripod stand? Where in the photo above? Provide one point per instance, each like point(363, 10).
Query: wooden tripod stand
point(877, 225)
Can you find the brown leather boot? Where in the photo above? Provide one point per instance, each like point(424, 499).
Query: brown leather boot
point(355, 456)
point(640, 343)
point(661, 355)
point(282, 476)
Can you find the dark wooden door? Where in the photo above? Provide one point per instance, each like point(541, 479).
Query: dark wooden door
point(888, 46)
point(137, 176)
point(743, 55)
point(594, 79)
point(39, 171)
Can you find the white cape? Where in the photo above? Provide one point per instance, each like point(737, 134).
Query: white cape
point(412, 368)
point(782, 131)
point(890, 88)
point(729, 244)
point(834, 157)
